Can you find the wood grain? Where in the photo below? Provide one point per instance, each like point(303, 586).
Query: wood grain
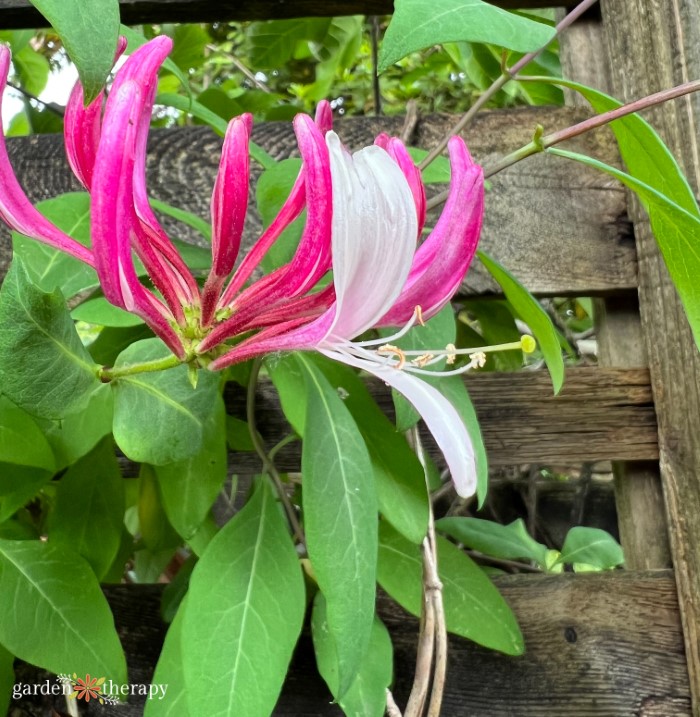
point(584, 637)
point(20, 14)
point(560, 228)
point(638, 492)
point(601, 414)
point(656, 45)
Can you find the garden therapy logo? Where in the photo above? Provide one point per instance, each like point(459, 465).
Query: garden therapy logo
point(87, 688)
point(107, 692)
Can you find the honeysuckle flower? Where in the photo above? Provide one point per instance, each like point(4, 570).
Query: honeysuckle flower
point(365, 216)
point(378, 208)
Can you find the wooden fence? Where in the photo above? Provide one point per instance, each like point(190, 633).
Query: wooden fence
point(624, 643)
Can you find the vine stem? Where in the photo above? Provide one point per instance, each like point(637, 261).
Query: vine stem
point(268, 464)
point(106, 374)
point(507, 75)
point(541, 143)
point(431, 660)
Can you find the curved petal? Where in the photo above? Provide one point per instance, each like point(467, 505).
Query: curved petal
point(439, 414)
point(82, 127)
point(15, 208)
point(113, 218)
point(374, 235)
point(142, 67)
point(444, 257)
point(398, 152)
point(324, 116)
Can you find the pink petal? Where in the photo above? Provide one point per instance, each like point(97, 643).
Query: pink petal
point(113, 217)
point(324, 116)
point(440, 416)
point(444, 257)
point(228, 210)
point(374, 235)
point(82, 126)
point(15, 208)
point(142, 67)
point(293, 335)
point(398, 152)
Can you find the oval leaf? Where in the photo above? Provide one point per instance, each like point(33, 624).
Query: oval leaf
point(473, 606)
point(158, 417)
point(89, 31)
point(592, 546)
point(340, 520)
point(39, 340)
point(55, 615)
point(243, 614)
point(417, 24)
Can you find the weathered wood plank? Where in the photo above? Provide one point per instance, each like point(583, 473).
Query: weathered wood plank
point(20, 14)
point(638, 493)
point(601, 414)
point(583, 634)
point(669, 32)
point(559, 227)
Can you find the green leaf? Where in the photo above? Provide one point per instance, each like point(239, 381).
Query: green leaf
point(510, 542)
point(189, 46)
point(367, 695)
point(473, 606)
point(89, 31)
point(243, 614)
point(19, 485)
point(44, 367)
point(271, 191)
point(21, 440)
point(592, 546)
point(92, 489)
point(158, 417)
point(99, 311)
point(50, 268)
point(76, 435)
point(7, 679)
point(238, 434)
point(273, 43)
point(529, 310)
point(169, 671)
point(189, 488)
point(340, 519)
point(159, 537)
point(497, 326)
point(55, 615)
point(196, 109)
point(646, 156)
point(417, 24)
point(32, 68)
point(677, 232)
point(437, 172)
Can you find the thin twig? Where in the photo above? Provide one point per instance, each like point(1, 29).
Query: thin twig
point(502, 562)
point(501, 80)
point(392, 709)
point(240, 66)
point(268, 465)
point(374, 41)
point(410, 121)
point(50, 106)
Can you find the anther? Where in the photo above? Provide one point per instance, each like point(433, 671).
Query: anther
point(451, 350)
point(419, 315)
point(422, 361)
point(389, 350)
point(478, 359)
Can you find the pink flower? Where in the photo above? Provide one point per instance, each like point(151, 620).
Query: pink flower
point(380, 277)
point(365, 216)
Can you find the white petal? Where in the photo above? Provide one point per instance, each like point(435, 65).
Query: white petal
point(374, 235)
point(439, 415)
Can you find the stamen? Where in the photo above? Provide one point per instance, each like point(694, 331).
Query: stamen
point(423, 361)
point(417, 316)
point(389, 350)
point(451, 354)
point(477, 360)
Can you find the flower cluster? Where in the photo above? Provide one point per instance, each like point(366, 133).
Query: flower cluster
point(365, 215)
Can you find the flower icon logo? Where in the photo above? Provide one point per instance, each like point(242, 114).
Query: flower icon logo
point(88, 688)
